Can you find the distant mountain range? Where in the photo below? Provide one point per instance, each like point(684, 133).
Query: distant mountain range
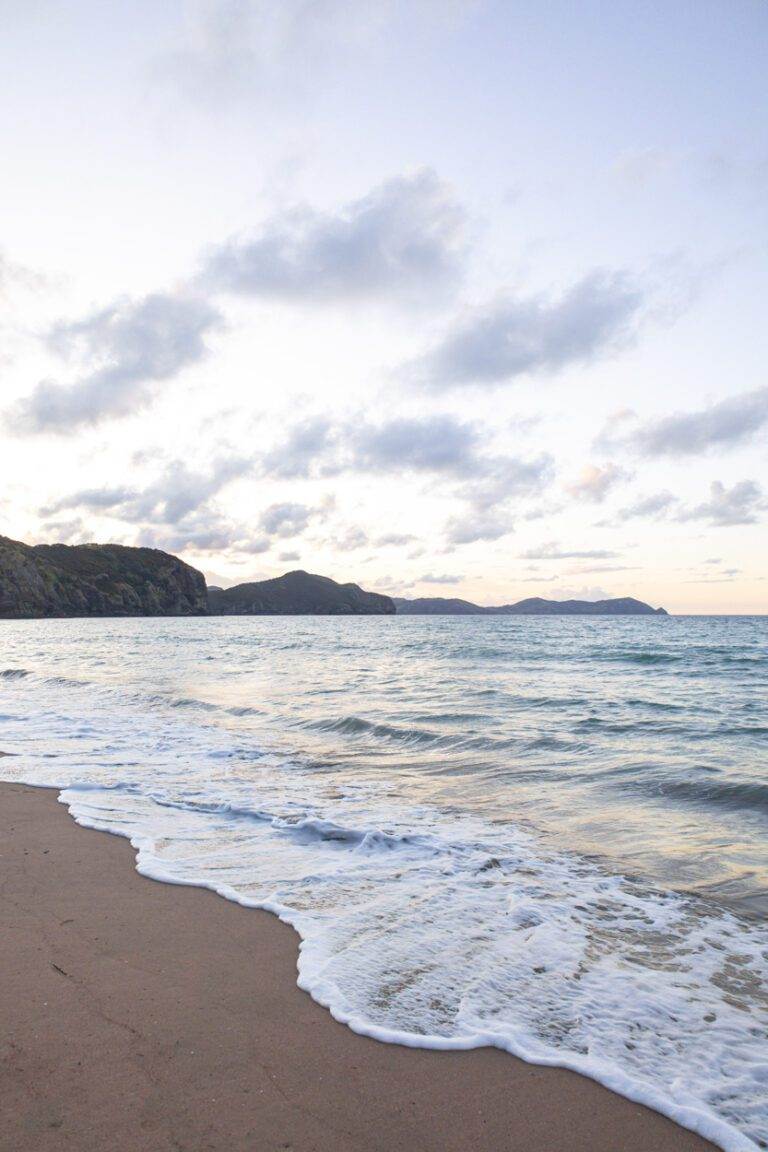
point(533, 606)
point(47, 580)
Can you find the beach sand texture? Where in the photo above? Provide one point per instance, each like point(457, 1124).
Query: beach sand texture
point(145, 1017)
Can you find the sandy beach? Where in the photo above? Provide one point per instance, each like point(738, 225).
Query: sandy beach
point(147, 1017)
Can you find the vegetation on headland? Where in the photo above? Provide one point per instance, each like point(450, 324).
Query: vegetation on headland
point(61, 580)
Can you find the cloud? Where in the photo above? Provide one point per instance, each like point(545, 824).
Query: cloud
point(350, 540)
point(178, 492)
point(726, 424)
point(92, 499)
point(283, 49)
point(488, 515)
point(204, 531)
point(513, 337)
point(429, 578)
point(306, 442)
point(286, 519)
point(655, 506)
point(394, 540)
point(739, 504)
point(584, 569)
point(552, 551)
point(549, 508)
point(502, 477)
point(595, 482)
point(711, 580)
point(67, 531)
point(174, 511)
point(289, 557)
point(403, 240)
point(128, 350)
point(14, 276)
point(439, 444)
point(476, 525)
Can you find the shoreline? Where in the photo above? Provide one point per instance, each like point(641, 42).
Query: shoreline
point(148, 1017)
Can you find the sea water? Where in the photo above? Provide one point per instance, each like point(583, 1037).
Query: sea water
point(545, 834)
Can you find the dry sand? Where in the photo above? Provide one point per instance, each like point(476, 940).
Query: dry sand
point(141, 1017)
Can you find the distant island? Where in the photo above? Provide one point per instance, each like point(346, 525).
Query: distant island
point(65, 580)
point(533, 606)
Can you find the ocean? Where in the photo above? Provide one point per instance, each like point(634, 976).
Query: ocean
point(546, 834)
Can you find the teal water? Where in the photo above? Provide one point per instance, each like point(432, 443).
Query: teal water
point(548, 834)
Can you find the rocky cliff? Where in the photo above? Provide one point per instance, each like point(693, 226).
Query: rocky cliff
point(96, 580)
point(297, 594)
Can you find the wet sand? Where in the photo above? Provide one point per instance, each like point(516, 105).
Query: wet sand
point(145, 1017)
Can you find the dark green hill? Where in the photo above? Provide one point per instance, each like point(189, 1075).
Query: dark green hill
point(297, 594)
point(96, 580)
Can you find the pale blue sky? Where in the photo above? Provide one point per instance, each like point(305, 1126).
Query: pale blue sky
point(459, 262)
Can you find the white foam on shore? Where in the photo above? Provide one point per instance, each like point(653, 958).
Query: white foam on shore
point(452, 935)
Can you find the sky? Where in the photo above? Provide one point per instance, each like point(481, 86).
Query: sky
point(443, 297)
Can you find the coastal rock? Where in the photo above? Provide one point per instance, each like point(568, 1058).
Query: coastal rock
point(298, 594)
point(96, 580)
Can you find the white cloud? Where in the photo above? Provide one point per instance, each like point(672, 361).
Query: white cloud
point(127, 350)
point(431, 578)
point(739, 504)
point(595, 482)
point(655, 506)
point(725, 425)
point(553, 551)
point(403, 241)
point(514, 337)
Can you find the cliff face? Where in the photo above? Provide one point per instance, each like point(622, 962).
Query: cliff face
point(96, 580)
point(297, 594)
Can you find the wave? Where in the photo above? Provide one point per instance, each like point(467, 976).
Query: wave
point(644, 657)
point(751, 795)
point(26, 673)
point(356, 726)
point(303, 829)
point(637, 727)
point(437, 741)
